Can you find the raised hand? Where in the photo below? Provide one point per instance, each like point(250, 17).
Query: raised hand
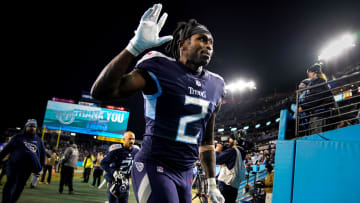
point(147, 33)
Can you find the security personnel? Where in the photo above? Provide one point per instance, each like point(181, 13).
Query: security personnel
point(88, 165)
point(118, 162)
point(27, 155)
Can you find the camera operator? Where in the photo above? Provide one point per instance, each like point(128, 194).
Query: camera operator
point(231, 155)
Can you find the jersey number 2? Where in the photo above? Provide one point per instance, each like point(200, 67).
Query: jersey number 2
point(181, 136)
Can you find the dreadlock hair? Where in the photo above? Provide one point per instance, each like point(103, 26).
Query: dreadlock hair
point(182, 32)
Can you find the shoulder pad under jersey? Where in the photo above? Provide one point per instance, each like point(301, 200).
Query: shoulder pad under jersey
point(153, 54)
point(115, 146)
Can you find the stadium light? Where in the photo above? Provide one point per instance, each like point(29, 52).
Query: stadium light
point(120, 108)
point(336, 47)
point(220, 130)
point(246, 127)
point(233, 129)
point(268, 123)
point(277, 120)
point(110, 107)
point(257, 125)
point(240, 86)
point(18, 128)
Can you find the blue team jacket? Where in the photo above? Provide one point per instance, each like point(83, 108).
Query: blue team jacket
point(27, 153)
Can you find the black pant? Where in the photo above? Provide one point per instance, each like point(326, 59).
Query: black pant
point(66, 176)
point(97, 176)
point(87, 172)
point(229, 193)
point(49, 170)
point(14, 185)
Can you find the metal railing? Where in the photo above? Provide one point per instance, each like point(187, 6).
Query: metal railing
point(327, 106)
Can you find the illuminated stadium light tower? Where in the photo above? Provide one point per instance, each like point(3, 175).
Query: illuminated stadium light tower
point(240, 86)
point(337, 47)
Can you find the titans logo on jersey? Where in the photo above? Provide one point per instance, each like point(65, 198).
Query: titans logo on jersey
point(181, 107)
point(30, 146)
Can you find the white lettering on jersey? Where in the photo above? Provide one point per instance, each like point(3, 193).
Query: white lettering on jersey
point(192, 91)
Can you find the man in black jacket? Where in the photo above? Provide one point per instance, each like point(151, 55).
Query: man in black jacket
point(27, 155)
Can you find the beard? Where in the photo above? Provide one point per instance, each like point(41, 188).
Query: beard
point(202, 60)
point(199, 63)
point(30, 132)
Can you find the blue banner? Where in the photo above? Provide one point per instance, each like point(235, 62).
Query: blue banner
point(85, 119)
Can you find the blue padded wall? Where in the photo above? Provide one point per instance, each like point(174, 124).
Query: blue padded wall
point(283, 173)
point(350, 133)
point(326, 171)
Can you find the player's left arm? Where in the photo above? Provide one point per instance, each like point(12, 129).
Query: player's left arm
point(207, 149)
point(208, 159)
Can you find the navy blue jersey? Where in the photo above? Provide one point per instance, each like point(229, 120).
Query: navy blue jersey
point(119, 158)
point(27, 152)
point(177, 114)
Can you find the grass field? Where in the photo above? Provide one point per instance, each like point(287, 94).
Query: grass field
point(44, 193)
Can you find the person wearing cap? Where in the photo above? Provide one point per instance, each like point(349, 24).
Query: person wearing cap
point(317, 101)
point(181, 102)
point(27, 155)
point(232, 169)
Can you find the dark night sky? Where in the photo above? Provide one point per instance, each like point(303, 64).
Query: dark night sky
point(59, 49)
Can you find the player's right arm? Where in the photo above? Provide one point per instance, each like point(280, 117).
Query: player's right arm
point(113, 83)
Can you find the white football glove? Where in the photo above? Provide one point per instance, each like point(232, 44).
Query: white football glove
point(117, 175)
point(147, 33)
point(214, 193)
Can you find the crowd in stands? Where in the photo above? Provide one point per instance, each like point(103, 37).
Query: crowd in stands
point(260, 158)
point(237, 111)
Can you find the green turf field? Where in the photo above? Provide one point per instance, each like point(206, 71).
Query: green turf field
point(44, 193)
